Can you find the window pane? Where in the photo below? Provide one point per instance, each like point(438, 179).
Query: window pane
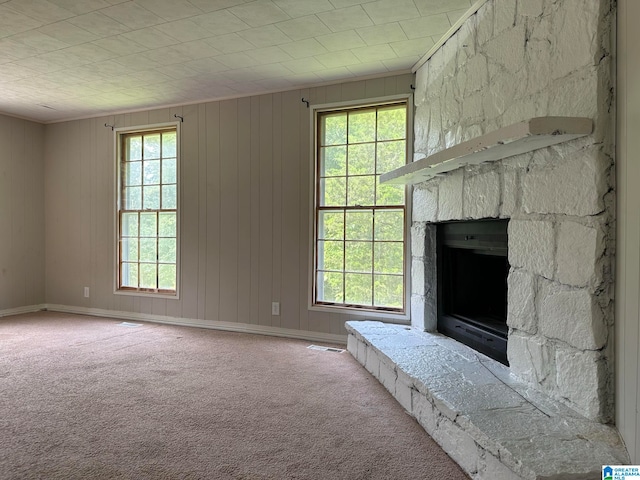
point(167, 250)
point(333, 129)
point(129, 248)
point(148, 225)
point(169, 144)
point(389, 291)
point(151, 199)
point(358, 288)
point(331, 225)
point(148, 250)
point(362, 159)
point(132, 173)
point(392, 123)
point(389, 194)
point(129, 227)
point(389, 257)
point(167, 224)
point(129, 275)
point(359, 257)
point(169, 170)
point(330, 255)
point(152, 146)
point(333, 191)
point(362, 126)
point(391, 155)
point(361, 190)
point(330, 286)
point(148, 277)
point(167, 277)
point(169, 197)
point(389, 225)
point(359, 225)
point(132, 198)
point(134, 148)
point(333, 161)
point(152, 172)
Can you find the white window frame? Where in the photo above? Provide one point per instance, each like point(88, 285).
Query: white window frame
point(119, 132)
point(397, 317)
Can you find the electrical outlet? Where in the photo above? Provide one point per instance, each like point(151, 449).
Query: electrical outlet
point(86, 292)
point(275, 308)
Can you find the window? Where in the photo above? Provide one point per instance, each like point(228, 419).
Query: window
point(360, 224)
point(148, 211)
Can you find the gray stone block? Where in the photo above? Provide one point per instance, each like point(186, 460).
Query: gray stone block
point(521, 301)
point(572, 316)
point(532, 246)
point(450, 196)
point(579, 249)
point(425, 204)
point(482, 195)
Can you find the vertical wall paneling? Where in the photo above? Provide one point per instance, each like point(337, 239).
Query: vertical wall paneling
point(374, 88)
point(212, 292)
point(189, 212)
point(17, 227)
point(245, 199)
point(627, 329)
point(266, 209)
point(305, 218)
point(87, 132)
point(254, 194)
point(229, 210)
point(290, 285)
point(21, 213)
point(276, 280)
point(244, 211)
point(202, 211)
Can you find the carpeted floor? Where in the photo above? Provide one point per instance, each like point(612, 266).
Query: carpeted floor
point(88, 398)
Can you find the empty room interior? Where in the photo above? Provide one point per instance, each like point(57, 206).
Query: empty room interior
point(438, 196)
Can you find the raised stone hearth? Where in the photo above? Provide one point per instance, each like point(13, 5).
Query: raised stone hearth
point(495, 426)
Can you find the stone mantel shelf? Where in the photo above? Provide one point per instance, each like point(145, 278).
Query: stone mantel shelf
point(532, 134)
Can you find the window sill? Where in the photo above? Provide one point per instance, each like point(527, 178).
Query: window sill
point(132, 293)
point(400, 317)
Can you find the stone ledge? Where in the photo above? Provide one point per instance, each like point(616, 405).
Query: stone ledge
point(493, 425)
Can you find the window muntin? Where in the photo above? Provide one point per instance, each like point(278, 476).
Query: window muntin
point(147, 212)
point(360, 224)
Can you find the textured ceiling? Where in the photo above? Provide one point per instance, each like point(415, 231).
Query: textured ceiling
point(62, 59)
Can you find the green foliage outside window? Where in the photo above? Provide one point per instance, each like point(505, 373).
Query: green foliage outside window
point(148, 212)
point(360, 223)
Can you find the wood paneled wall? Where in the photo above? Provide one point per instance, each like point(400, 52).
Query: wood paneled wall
point(627, 323)
point(21, 213)
point(245, 206)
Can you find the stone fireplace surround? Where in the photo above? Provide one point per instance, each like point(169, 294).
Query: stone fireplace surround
point(513, 60)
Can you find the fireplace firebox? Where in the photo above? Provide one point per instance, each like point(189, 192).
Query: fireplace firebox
point(472, 280)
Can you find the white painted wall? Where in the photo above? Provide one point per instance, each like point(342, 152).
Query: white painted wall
point(245, 194)
point(21, 214)
point(627, 304)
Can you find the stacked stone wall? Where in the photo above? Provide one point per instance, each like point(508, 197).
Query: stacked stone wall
point(511, 61)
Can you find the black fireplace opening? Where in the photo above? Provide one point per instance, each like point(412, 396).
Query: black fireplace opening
point(472, 284)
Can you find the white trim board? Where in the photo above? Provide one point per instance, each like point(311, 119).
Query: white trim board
point(193, 322)
point(21, 310)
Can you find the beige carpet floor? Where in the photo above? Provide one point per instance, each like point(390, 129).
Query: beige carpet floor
point(89, 398)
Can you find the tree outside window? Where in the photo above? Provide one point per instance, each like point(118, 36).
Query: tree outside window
point(360, 224)
point(147, 212)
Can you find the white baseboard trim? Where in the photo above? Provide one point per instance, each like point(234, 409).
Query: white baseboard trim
point(192, 322)
point(21, 310)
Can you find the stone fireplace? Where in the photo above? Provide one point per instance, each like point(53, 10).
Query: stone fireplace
point(511, 61)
